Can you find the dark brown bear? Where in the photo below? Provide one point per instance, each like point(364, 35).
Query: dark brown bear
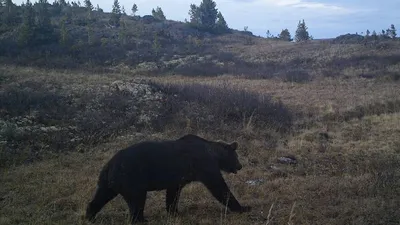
point(166, 165)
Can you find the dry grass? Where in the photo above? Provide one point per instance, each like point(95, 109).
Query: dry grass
point(355, 181)
point(315, 98)
point(348, 169)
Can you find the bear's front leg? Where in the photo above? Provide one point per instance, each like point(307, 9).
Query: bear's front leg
point(172, 198)
point(220, 190)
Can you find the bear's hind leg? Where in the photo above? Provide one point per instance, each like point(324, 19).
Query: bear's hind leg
point(136, 202)
point(172, 198)
point(102, 196)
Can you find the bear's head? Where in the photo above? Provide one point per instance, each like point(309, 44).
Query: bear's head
point(225, 153)
point(228, 159)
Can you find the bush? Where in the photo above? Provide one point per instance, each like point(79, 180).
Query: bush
point(37, 119)
point(227, 105)
point(298, 76)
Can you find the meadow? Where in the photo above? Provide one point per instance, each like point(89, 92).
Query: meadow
point(335, 108)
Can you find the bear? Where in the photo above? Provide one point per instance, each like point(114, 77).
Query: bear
point(166, 165)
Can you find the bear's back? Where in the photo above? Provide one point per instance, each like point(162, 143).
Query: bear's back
point(158, 164)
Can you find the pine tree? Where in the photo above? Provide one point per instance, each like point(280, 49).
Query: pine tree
point(89, 8)
point(268, 34)
point(285, 35)
point(9, 16)
point(208, 14)
point(43, 15)
point(367, 33)
point(204, 16)
point(63, 3)
point(115, 14)
point(374, 35)
point(221, 24)
point(98, 9)
point(88, 5)
point(134, 9)
point(301, 32)
point(26, 33)
point(89, 22)
point(391, 32)
point(194, 15)
point(44, 29)
point(158, 13)
point(68, 14)
point(123, 10)
point(383, 34)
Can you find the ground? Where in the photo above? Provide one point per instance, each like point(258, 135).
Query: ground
point(344, 133)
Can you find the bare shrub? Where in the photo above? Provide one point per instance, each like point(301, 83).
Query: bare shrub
point(200, 69)
point(298, 76)
point(229, 105)
point(39, 119)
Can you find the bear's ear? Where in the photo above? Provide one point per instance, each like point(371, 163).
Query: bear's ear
point(234, 145)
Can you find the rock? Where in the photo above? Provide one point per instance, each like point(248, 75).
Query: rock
point(145, 99)
point(49, 129)
point(254, 182)
point(287, 160)
point(277, 172)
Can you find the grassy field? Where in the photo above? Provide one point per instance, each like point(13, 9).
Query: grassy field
point(344, 132)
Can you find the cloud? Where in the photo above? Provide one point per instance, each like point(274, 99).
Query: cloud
point(310, 5)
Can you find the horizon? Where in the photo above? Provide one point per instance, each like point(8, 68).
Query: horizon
point(324, 18)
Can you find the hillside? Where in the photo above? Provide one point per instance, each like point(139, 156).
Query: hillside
point(76, 38)
point(59, 127)
point(67, 106)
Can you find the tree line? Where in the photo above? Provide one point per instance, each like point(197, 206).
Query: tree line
point(34, 25)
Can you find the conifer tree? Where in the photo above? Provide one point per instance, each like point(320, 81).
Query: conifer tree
point(285, 35)
point(98, 9)
point(62, 3)
point(208, 14)
point(44, 29)
point(27, 30)
point(158, 13)
point(9, 16)
point(391, 32)
point(115, 14)
point(221, 24)
point(88, 5)
point(367, 33)
point(43, 15)
point(89, 22)
point(301, 32)
point(194, 15)
point(374, 35)
point(134, 9)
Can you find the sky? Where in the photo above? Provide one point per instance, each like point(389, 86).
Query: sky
point(324, 18)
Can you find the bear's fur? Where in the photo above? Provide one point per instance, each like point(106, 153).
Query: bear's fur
point(166, 165)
